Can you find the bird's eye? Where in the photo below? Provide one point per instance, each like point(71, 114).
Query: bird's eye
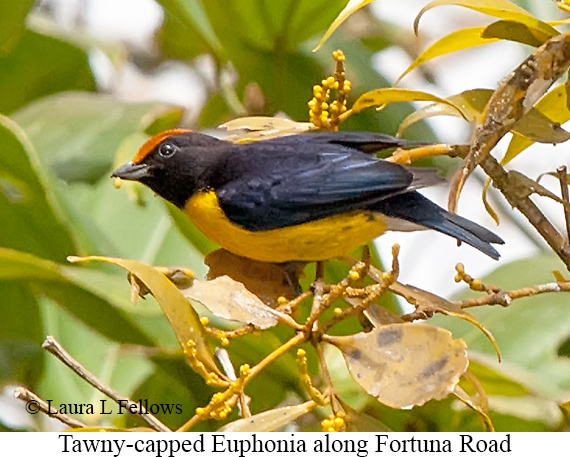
point(167, 149)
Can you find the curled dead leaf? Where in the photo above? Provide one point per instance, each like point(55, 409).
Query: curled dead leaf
point(428, 304)
point(268, 281)
point(229, 299)
point(255, 128)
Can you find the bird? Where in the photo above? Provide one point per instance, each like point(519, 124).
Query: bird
point(303, 197)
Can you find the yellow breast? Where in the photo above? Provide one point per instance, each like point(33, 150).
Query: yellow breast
point(316, 240)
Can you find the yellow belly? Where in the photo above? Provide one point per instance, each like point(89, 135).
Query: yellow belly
point(316, 240)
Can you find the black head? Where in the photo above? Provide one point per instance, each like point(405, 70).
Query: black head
point(173, 164)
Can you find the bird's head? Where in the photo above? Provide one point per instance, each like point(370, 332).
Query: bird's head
point(171, 164)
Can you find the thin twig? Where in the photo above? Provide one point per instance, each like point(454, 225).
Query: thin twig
point(505, 298)
point(511, 189)
point(563, 177)
point(53, 347)
point(35, 404)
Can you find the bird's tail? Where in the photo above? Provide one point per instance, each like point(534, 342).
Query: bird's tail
point(413, 207)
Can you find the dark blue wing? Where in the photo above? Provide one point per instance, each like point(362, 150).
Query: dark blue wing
point(280, 187)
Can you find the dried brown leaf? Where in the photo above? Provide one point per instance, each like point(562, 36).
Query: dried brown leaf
point(268, 281)
point(475, 404)
point(255, 128)
point(404, 365)
point(230, 300)
point(269, 421)
point(427, 304)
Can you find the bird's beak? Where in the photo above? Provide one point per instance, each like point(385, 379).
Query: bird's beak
point(131, 171)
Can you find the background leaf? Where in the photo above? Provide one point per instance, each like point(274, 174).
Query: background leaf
point(12, 22)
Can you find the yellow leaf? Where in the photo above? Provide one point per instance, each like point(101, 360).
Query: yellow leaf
point(516, 96)
point(486, 202)
point(182, 317)
point(534, 125)
point(404, 365)
point(503, 9)
point(554, 106)
point(455, 41)
point(269, 421)
point(470, 104)
point(351, 7)
point(381, 97)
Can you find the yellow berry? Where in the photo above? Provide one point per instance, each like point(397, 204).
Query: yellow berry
point(339, 423)
point(477, 284)
point(339, 56)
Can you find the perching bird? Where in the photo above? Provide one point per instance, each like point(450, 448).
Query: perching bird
point(305, 197)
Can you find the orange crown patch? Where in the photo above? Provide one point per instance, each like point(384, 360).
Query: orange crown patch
point(152, 143)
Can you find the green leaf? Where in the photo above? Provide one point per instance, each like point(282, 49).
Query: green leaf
point(175, 385)
point(95, 126)
point(516, 31)
point(20, 362)
point(180, 41)
point(40, 65)
point(29, 210)
point(61, 285)
point(268, 25)
point(494, 381)
point(12, 22)
point(190, 14)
